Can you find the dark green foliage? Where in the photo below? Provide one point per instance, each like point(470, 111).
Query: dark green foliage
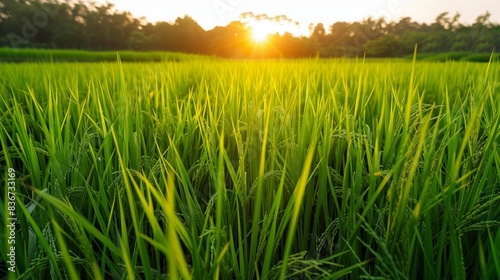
point(456, 56)
point(39, 55)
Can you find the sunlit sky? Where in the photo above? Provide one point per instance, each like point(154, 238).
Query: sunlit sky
point(211, 13)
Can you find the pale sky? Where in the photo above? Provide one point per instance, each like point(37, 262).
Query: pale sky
point(211, 13)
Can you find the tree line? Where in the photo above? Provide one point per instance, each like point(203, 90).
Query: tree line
point(78, 25)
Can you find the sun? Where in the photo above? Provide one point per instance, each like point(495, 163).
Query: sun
point(260, 32)
point(259, 35)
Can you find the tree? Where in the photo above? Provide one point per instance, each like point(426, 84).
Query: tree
point(230, 41)
point(188, 35)
point(481, 34)
point(385, 46)
point(137, 41)
point(75, 24)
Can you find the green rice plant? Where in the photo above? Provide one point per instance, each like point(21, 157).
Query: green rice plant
point(270, 169)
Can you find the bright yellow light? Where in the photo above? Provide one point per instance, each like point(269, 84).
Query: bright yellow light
point(260, 31)
point(262, 28)
point(259, 35)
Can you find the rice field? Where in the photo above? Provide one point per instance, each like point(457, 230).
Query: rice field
point(273, 169)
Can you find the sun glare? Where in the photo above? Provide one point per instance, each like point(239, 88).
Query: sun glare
point(259, 35)
point(261, 28)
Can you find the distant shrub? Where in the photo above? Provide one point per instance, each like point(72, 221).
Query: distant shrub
point(43, 55)
point(455, 56)
point(481, 57)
